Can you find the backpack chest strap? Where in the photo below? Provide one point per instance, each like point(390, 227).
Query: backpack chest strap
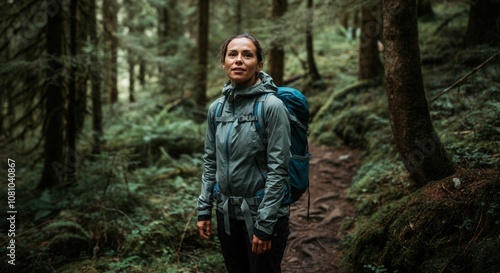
point(230, 119)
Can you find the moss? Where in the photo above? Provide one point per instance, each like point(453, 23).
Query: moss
point(481, 255)
point(351, 116)
point(439, 228)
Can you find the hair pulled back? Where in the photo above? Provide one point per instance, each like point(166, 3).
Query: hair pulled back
point(255, 41)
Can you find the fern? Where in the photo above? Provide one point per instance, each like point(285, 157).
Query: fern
point(55, 226)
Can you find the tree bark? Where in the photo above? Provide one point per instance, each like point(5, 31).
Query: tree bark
point(142, 72)
point(53, 167)
point(276, 62)
point(425, 8)
point(316, 79)
point(81, 77)
point(163, 33)
point(110, 10)
point(131, 79)
point(96, 79)
point(131, 56)
point(483, 26)
point(421, 150)
point(370, 65)
point(2, 102)
point(201, 82)
point(239, 17)
point(71, 113)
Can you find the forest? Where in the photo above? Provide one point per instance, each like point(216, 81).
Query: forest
point(103, 107)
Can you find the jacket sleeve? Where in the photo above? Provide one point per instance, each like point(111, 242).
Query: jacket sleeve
point(277, 128)
point(205, 200)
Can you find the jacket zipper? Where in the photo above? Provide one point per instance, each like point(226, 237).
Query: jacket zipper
point(228, 158)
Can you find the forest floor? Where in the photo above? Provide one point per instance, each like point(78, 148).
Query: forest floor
point(313, 244)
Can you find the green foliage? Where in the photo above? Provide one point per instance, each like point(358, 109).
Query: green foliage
point(149, 133)
point(378, 269)
point(65, 225)
point(356, 116)
point(121, 216)
point(379, 181)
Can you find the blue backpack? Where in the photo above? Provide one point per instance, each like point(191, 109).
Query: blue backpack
point(298, 168)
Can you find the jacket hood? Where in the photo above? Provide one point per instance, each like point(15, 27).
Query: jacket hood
point(265, 85)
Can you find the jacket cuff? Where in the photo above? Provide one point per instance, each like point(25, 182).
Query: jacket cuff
point(262, 235)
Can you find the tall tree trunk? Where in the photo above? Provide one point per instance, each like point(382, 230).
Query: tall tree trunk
point(276, 62)
point(131, 79)
point(370, 65)
point(71, 113)
point(424, 8)
point(10, 110)
point(163, 33)
point(201, 83)
point(95, 75)
point(131, 56)
point(110, 10)
point(142, 72)
point(81, 77)
point(316, 79)
point(2, 98)
point(422, 152)
point(344, 22)
point(53, 167)
point(141, 63)
point(239, 17)
point(484, 23)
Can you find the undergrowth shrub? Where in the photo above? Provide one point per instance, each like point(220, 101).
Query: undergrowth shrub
point(148, 133)
point(116, 217)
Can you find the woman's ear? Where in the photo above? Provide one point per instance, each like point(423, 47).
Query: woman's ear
point(259, 66)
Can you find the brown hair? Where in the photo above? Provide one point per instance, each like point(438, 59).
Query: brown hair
point(256, 42)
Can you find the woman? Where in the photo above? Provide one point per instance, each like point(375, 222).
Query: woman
point(247, 176)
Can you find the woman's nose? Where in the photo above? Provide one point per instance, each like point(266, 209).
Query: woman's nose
point(238, 58)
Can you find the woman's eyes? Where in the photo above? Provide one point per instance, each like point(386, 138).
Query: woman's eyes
point(245, 55)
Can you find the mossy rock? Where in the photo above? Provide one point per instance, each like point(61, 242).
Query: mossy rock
point(449, 225)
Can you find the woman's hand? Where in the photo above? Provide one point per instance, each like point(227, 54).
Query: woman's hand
point(259, 246)
point(204, 229)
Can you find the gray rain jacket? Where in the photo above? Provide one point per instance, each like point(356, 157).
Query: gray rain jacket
point(240, 163)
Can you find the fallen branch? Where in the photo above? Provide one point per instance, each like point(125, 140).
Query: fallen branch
point(466, 76)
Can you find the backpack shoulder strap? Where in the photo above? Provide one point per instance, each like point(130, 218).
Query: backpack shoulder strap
point(258, 111)
point(218, 111)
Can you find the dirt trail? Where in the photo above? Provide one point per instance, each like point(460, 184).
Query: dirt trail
point(313, 246)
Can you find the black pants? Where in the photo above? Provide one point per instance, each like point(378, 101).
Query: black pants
point(237, 247)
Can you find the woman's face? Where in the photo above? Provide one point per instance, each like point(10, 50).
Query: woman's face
point(241, 63)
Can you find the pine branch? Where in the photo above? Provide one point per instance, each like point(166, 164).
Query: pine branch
point(37, 42)
point(448, 20)
point(26, 115)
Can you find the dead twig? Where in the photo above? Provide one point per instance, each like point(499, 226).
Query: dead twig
point(184, 231)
